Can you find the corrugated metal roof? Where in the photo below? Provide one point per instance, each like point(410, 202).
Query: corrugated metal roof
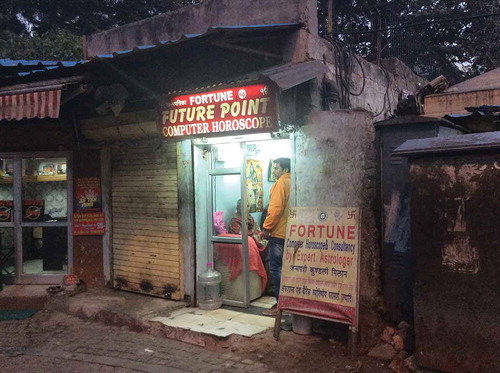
point(472, 142)
point(7, 62)
point(211, 31)
point(44, 85)
point(291, 75)
point(489, 80)
point(28, 67)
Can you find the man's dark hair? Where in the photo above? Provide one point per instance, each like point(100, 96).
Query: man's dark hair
point(284, 163)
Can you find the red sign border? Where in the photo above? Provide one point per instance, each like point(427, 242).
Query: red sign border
point(161, 106)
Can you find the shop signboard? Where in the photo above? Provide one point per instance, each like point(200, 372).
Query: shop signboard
point(6, 207)
point(88, 224)
point(243, 109)
point(33, 210)
point(320, 271)
point(88, 194)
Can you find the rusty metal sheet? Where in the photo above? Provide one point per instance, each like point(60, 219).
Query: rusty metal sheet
point(455, 235)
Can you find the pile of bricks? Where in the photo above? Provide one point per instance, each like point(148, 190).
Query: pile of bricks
point(396, 345)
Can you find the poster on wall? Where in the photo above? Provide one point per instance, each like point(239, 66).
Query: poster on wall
point(33, 210)
point(88, 224)
point(6, 207)
point(242, 109)
point(255, 186)
point(88, 194)
point(320, 272)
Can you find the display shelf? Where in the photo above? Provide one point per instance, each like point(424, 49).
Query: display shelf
point(6, 180)
point(34, 179)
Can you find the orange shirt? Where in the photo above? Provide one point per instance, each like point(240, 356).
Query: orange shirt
point(277, 212)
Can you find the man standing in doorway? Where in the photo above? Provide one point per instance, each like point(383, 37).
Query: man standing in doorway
point(275, 224)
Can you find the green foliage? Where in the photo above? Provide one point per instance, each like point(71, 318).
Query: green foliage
point(51, 29)
point(82, 17)
point(457, 49)
point(59, 45)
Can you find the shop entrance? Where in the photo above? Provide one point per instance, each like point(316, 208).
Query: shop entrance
point(35, 202)
point(233, 177)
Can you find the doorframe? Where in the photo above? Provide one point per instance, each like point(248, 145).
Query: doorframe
point(17, 224)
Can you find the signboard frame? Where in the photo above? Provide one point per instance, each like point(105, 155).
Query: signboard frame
point(227, 121)
point(330, 307)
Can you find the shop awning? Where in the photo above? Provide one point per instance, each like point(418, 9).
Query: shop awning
point(41, 104)
point(291, 75)
point(33, 100)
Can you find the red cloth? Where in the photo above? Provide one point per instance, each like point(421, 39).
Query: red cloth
point(231, 255)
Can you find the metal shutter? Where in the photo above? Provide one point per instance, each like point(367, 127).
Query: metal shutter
point(146, 251)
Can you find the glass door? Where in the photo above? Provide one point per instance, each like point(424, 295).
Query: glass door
point(228, 241)
point(40, 229)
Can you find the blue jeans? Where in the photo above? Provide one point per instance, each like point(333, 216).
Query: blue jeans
point(276, 248)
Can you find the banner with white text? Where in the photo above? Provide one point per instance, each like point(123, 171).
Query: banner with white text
point(243, 109)
point(320, 270)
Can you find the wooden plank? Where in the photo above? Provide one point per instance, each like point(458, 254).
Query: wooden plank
point(146, 242)
point(146, 147)
point(147, 221)
point(159, 226)
point(154, 268)
point(142, 261)
point(167, 181)
point(153, 235)
point(160, 177)
point(143, 151)
point(146, 163)
point(158, 291)
point(144, 239)
point(137, 174)
point(139, 205)
point(152, 177)
point(164, 212)
point(160, 250)
point(169, 192)
point(150, 200)
point(147, 227)
point(127, 240)
point(440, 104)
point(137, 255)
point(147, 167)
point(138, 188)
point(165, 277)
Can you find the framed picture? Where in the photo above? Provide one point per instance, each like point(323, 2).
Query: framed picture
point(270, 174)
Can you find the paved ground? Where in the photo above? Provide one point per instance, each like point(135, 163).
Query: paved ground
point(56, 342)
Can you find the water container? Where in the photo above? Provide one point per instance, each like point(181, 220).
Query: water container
point(209, 289)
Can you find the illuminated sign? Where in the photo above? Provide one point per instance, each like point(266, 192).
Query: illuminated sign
point(248, 109)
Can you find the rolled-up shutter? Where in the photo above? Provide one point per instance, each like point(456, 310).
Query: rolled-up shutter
point(146, 253)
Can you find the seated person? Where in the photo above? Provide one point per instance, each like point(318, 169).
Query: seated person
point(253, 228)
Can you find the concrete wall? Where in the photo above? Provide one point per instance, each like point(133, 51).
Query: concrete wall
point(377, 88)
point(198, 18)
point(335, 152)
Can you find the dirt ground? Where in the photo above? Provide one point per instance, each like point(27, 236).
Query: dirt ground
point(298, 353)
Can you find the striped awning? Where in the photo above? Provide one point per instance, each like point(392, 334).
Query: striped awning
point(42, 104)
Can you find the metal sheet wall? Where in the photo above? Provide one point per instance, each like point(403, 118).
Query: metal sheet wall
point(455, 237)
point(146, 251)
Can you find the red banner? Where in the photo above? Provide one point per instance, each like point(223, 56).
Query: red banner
point(88, 194)
point(88, 224)
point(249, 109)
